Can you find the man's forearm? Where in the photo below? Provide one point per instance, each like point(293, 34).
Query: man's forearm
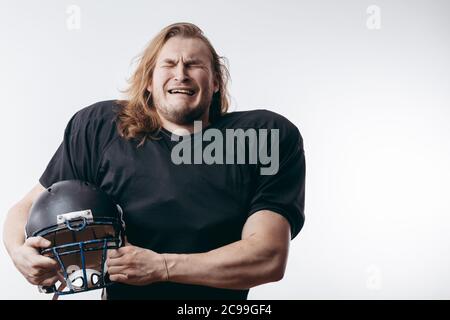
point(14, 226)
point(239, 265)
point(13, 229)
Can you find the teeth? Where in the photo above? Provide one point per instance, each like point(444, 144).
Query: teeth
point(188, 92)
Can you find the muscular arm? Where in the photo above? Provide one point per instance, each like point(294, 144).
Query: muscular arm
point(259, 257)
point(14, 226)
point(38, 270)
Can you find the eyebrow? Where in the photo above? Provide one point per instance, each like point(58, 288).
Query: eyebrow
point(187, 61)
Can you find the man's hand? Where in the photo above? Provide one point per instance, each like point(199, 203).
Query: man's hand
point(135, 266)
point(36, 268)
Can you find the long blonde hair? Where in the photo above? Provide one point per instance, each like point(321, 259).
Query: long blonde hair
point(137, 117)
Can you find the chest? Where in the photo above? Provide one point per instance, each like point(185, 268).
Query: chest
point(159, 196)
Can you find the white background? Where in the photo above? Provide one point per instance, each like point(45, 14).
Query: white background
point(372, 106)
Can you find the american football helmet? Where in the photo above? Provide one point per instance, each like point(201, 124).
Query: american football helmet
point(82, 222)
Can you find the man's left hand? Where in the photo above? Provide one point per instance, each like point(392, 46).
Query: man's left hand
point(135, 266)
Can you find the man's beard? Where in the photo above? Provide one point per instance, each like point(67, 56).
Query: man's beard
point(182, 116)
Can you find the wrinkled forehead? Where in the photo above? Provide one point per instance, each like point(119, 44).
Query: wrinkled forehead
point(186, 49)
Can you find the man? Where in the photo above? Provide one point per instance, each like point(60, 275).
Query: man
point(194, 230)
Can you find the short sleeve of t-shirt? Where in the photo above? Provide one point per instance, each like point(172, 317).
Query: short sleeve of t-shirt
point(284, 192)
point(78, 155)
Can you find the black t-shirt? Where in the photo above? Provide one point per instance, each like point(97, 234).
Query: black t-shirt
point(184, 208)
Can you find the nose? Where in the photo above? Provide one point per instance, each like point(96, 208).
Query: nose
point(180, 72)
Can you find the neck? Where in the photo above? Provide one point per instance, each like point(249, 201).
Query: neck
point(173, 127)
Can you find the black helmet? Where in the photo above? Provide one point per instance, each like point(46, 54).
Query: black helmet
point(82, 222)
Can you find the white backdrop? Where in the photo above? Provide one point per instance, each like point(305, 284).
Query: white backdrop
point(366, 82)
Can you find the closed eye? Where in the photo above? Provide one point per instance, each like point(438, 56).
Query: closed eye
point(194, 63)
point(167, 65)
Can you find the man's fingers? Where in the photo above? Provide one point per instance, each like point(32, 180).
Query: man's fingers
point(42, 262)
point(114, 262)
point(61, 277)
point(47, 277)
point(38, 242)
point(44, 274)
point(117, 270)
point(38, 272)
point(47, 282)
point(113, 254)
point(50, 281)
point(118, 278)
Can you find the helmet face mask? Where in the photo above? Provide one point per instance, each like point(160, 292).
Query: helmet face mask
point(82, 223)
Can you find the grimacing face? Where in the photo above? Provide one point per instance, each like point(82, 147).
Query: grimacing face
point(183, 81)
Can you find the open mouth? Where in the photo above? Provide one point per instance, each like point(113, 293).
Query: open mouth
point(182, 91)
